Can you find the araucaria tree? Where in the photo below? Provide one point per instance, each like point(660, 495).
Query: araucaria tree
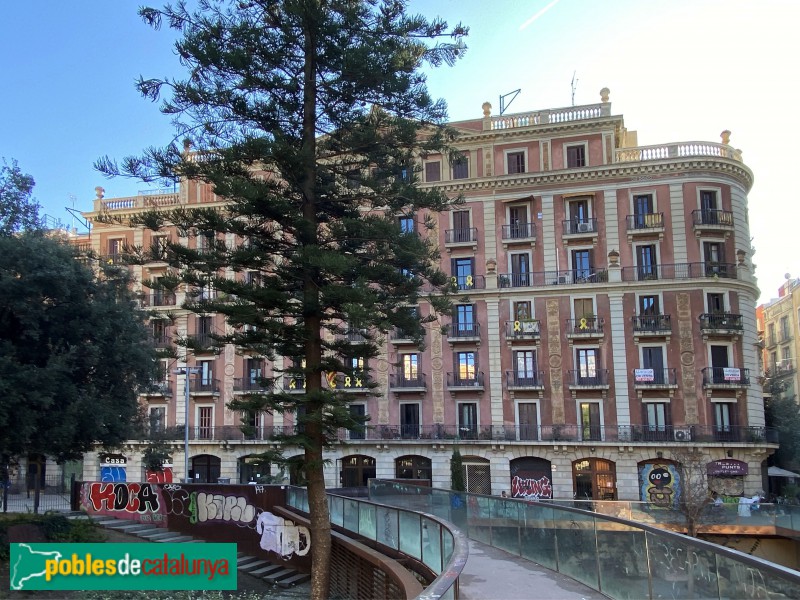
point(308, 117)
point(73, 351)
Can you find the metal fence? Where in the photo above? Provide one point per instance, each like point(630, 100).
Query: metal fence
point(18, 494)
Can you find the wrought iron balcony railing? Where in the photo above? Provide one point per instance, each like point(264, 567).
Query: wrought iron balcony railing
point(523, 329)
point(587, 378)
point(647, 377)
point(725, 377)
point(721, 322)
point(589, 325)
point(519, 231)
point(645, 222)
point(524, 379)
point(402, 382)
point(461, 236)
point(464, 330)
point(468, 282)
point(679, 271)
point(579, 226)
point(652, 324)
point(203, 385)
point(459, 380)
point(707, 216)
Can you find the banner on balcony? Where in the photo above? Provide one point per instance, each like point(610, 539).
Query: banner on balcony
point(644, 375)
point(727, 467)
point(731, 374)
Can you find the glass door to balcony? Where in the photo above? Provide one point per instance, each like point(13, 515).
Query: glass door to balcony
point(719, 362)
point(581, 265)
point(204, 421)
point(358, 411)
point(723, 421)
point(653, 358)
point(518, 220)
point(656, 427)
point(461, 226)
point(409, 420)
point(578, 213)
point(528, 422)
point(520, 269)
point(646, 262)
point(642, 209)
point(468, 420)
point(590, 421)
point(587, 366)
point(525, 367)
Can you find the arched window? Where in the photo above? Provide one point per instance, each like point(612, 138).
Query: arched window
point(477, 475)
point(254, 468)
point(413, 467)
point(594, 479)
point(531, 478)
point(357, 469)
point(205, 468)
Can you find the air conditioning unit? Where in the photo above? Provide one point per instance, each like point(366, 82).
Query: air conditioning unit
point(682, 434)
point(563, 280)
point(584, 227)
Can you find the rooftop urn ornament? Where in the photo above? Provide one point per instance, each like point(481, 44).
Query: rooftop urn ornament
point(604, 94)
point(613, 258)
point(487, 109)
point(491, 266)
point(726, 137)
point(100, 192)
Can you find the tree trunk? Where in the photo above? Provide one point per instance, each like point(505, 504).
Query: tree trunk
point(37, 485)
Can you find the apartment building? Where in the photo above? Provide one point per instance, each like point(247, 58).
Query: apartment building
point(605, 320)
point(779, 326)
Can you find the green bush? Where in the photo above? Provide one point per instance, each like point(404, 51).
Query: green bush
point(55, 528)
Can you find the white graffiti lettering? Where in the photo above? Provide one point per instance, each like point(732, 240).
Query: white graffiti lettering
point(211, 507)
point(282, 536)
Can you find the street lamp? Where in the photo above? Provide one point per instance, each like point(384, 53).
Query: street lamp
point(186, 371)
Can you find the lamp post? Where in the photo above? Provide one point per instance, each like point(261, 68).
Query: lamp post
point(186, 371)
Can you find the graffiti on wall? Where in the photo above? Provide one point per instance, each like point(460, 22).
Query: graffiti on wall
point(219, 507)
point(532, 489)
point(660, 484)
point(282, 536)
point(123, 500)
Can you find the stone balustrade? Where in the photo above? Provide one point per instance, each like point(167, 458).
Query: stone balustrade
point(677, 150)
point(551, 115)
point(135, 202)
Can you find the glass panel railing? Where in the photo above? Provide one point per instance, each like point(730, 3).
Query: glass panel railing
point(387, 527)
point(410, 534)
point(336, 508)
point(505, 528)
point(577, 547)
point(538, 535)
point(367, 520)
point(350, 514)
point(432, 545)
point(622, 561)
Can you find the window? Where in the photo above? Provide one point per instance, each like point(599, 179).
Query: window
point(515, 162)
point(576, 156)
point(406, 223)
point(433, 171)
point(204, 241)
point(465, 366)
point(520, 269)
point(646, 259)
point(358, 412)
point(642, 205)
point(708, 202)
point(522, 310)
point(253, 371)
point(519, 227)
point(528, 421)
point(584, 308)
point(158, 246)
point(410, 367)
point(253, 278)
point(719, 361)
point(158, 419)
point(525, 368)
point(716, 303)
point(656, 421)
point(648, 305)
point(714, 252)
point(205, 416)
point(723, 419)
point(464, 325)
point(463, 272)
point(590, 421)
point(461, 226)
point(409, 420)
point(785, 335)
point(653, 358)
point(158, 329)
point(468, 420)
point(353, 179)
point(206, 374)
point(204, 326)
point(586, 361)
point(582, 265)
point(461, 167)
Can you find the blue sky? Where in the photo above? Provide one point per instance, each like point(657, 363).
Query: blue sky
point(679, 70)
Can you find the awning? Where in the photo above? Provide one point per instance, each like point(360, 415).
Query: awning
point(778, 472)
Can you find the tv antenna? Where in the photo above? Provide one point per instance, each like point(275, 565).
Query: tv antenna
point(76, 215)
point(573, 85)
point(503, 105)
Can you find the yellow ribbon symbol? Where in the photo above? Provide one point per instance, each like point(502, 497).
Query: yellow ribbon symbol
point(292, 384)
point(469, 280)
point(517, 326)
point(358, 383)
point(331, 377)
point(583, 324)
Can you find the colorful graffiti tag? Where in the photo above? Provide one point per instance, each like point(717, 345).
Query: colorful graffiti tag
point(533, 489)
point(211, 507)
point(660, 483)
point(123, 500)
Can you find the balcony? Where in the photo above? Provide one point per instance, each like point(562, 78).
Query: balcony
point(588, 380)
point(157, 388)
point(354, 383)
point(461, 238)
point(546, 278)
point(679, 271)
point(721, 324)
point(464, 332)
point(525, 380)
point(589, 327)
point(692, 434)
point(574, 229)
point(294, 385)
point(354, 336)
point(519, 233)
point(457, 382)
point(203, 386)
point(468, 282)
point(400, 338)
point(161, 342)
point(725, 377)
point(784, 336)
point(250, 385)
point(643, 225)
point(155, 299)
point(772, 340)
point(782, 368)
point(711, 221)
point(202, 343)
point(400, 383)
point(651, 326)
point(523, 331)
point(654, 379)
point(674, 150)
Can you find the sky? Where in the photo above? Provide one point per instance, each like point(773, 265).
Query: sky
point(678, 70)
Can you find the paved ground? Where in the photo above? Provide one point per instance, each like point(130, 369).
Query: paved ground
point(491, 574)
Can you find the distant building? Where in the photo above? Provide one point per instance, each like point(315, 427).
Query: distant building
point(780, 329)
point(610, 321)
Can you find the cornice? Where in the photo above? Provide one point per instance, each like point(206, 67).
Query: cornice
point(602, 174)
